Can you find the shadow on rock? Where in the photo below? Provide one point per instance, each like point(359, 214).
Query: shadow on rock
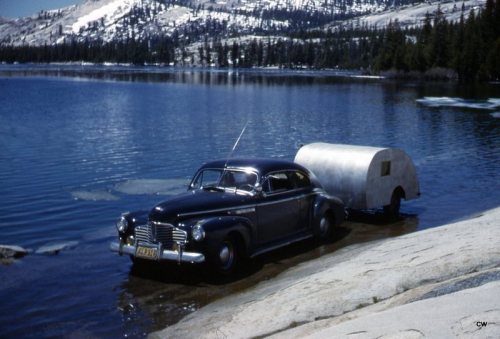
point(376, 217)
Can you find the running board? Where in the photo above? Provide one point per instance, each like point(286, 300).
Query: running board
point(281, 244)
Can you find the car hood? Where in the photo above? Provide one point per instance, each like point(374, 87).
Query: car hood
point(197, 203)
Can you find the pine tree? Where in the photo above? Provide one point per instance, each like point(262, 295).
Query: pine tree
point(458, 61)
point(471, 49)
point(439, 46)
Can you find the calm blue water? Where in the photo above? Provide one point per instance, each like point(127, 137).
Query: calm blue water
point(79, 147)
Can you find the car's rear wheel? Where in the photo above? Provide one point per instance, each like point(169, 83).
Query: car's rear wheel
point(325, 227)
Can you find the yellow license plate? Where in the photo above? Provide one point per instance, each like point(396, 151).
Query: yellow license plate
point(147, 252)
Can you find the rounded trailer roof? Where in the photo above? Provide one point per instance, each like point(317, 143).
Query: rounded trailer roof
point(362, 176)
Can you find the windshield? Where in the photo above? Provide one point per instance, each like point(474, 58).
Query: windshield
point(225, 179)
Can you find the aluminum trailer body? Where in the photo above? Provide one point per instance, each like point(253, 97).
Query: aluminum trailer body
point(362, 177)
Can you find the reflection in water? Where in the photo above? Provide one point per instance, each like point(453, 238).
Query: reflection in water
point(197, 76)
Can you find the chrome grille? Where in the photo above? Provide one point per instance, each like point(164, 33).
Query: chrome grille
point(156, 232)
point(142, 233)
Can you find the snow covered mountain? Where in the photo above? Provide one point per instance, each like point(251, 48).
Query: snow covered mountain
point(114, 20)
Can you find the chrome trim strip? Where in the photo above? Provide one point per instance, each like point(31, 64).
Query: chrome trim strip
point(188, 257)
point(272, 194)
point(286, 199)
point(245, 210)
point(216, 210)
point(162, 223)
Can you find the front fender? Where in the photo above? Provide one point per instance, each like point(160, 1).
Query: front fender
point(134, 218)
point(217, 228)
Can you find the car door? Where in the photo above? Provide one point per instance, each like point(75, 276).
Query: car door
point(305, 197)
point(278, 211)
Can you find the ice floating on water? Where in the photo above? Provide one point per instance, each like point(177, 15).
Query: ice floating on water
point(93, 195)
point(153, 186)
point(490, 104)
point(134, 186)
point(55, 248)
point(12, 251)
point(367, 77)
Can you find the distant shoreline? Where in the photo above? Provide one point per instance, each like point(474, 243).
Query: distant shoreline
point(119, 71)
point(268, 70)
point(432, 75)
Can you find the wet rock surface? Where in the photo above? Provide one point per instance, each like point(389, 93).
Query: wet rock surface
point(462, 284)
point(10, 253)
point(440, 269)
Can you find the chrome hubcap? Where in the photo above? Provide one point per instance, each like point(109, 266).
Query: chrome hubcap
point(323, 225)
point(226, 255)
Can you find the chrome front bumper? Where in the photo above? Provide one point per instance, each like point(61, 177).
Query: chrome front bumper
point(179, 256)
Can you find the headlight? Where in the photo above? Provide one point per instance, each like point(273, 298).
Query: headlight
point(122, 224)
point(198, 233)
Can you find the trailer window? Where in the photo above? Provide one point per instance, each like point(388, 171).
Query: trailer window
point(386, 168)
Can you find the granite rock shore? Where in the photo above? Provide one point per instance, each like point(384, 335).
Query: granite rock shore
point(442, 282)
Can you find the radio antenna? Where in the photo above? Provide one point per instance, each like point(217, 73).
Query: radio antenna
point(236, 144)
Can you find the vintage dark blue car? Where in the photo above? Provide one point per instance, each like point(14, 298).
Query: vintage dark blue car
point(233, 209)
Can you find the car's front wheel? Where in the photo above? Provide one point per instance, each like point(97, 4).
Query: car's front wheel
point(226, 256)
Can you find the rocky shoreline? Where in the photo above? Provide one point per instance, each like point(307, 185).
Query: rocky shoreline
point(437, 283)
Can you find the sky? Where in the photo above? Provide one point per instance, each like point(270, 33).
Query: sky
point(20, 8)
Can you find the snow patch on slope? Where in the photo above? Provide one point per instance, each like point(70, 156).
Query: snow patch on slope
point(415, 15)
point(110, 13)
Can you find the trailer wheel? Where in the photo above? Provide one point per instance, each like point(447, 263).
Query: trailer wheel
point(392, 210)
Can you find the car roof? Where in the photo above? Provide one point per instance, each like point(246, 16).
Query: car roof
point(261, 165)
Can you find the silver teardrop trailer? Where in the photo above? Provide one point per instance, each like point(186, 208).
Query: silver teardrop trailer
point(362, 177)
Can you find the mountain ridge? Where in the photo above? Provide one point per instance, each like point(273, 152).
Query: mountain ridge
point(119, 20)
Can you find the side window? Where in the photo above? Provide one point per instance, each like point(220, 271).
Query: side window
point(206, 178)
point(300, 180)
point(232, 179)
point(277, 182)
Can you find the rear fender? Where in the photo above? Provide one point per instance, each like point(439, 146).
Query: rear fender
point(324, 203)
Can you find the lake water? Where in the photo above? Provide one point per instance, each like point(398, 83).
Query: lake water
point(80, 145)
